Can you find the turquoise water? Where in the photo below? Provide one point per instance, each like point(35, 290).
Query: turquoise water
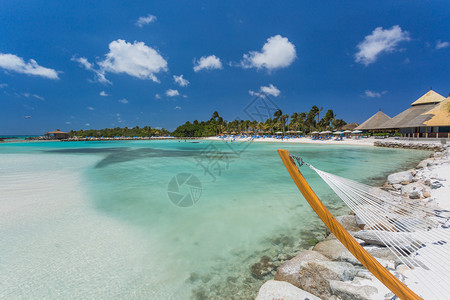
point(95, 220)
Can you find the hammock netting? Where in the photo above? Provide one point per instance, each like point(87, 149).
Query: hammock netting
point(416, 231)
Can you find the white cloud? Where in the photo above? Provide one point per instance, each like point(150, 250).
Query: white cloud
point(276, 53)
point(267, 90)
point(28, 95)
point(134, 59)
point(83, 62)
point(99, 73)
point(3, 85)
point(137, 60)
point(124, 101)
point(103, 94)
point(68, 123)
point(180, 80)
point(207, 63)
point(440, 44)
point(172, 93)
point(157, 96)
point(145, 20)
point(87, 124)
point(372, 94)
point(90, 108)
point(177, 107)
point(379, 41)
point(270, 90)
point(16, 64)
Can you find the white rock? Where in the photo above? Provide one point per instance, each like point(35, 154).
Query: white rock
point(334, 250)
point(381, 252)
point(414, 187)
point(425, 163)
point(289, 271)
point(403, 239)
point(400, 177)
point(397, 186)
point(282, 290)
point(351, 291)
point(315, 276)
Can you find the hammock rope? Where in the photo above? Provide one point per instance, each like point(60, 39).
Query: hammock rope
point(403, 226)
point(415, 232)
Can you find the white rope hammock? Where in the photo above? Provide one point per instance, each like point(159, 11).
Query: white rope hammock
point(419, 236)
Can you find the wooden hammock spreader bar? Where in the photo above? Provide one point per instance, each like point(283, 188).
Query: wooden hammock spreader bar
point(368, 261)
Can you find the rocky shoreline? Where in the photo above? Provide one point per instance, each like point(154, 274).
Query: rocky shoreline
point(329, 271)
point(423, 145)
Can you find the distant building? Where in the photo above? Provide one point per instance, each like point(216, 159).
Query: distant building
point(56, 135)
point(349, 126)
point(428, 117)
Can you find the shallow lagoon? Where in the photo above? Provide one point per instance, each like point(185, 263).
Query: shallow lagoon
point(94, 219)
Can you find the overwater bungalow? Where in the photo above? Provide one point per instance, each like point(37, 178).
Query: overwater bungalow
point(56, 135)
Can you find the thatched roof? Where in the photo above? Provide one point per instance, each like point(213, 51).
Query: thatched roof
point(417, 114)
point(374, 122)
point(56, 132)
point(412, 117)
point(350, 126)
point(440, 114)
point(430, 97)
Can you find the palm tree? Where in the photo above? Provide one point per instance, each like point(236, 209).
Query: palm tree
point(294, 120)
point(301, 120)
point(311, 117)
point(278, 114)
point(318, 113)
point(269, 124)
point(284, 119)
point(278, 117)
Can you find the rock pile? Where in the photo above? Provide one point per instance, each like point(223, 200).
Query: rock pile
point(417, 183)
point(432, 146)
point(330, 271)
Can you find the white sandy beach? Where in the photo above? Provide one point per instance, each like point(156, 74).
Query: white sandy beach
point(305, 140)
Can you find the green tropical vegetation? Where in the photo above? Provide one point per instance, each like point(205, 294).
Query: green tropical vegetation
point(118, 131)
point(304, 122)
point(297, 122)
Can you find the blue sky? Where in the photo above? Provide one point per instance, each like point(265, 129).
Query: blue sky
point(95, 64)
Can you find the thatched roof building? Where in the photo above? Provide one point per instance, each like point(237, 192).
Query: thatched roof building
point(415, 115)
point(440, 114)
point(57, 134)
point(428, 116)
point(349, 126)
point(374, 122)
point(431, 97)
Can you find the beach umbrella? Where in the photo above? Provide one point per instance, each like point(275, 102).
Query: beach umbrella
point(338, 132)
point(357, 131)
point(279, 132)
point(325, 132)
point(314, 132)
point(298, 131)
point(347, 131)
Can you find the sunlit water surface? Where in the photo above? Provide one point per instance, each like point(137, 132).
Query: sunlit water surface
point(94, 219)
